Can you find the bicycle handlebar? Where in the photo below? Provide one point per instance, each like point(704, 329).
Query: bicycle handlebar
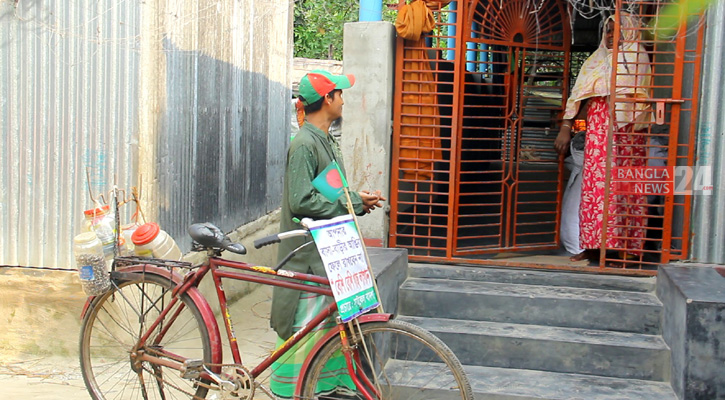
point(278, 237)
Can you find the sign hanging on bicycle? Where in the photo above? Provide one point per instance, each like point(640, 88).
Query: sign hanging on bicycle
point(343, 256)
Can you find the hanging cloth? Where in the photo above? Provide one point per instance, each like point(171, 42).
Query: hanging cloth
point(413, 20)
point(419, 133)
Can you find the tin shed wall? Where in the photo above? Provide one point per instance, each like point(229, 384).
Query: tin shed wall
point(215, 126)
point(68, 101)
point(188, 99)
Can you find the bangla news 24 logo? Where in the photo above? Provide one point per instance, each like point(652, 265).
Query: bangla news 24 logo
point(684, 180)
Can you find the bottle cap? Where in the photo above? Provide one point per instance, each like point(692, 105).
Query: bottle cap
point(97, 211)
point(145, 233)
point(85, 237)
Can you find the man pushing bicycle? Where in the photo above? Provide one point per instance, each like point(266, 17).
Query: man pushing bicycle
point(311, 153)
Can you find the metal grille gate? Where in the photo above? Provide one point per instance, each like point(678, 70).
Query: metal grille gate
point(478, 104)
point(474, 149)
point(651, 223)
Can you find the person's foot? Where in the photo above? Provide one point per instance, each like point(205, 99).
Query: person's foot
point(588, 254)
point(338, 396)
point(625, 260)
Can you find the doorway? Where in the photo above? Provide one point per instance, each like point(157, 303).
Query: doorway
point(478, 105)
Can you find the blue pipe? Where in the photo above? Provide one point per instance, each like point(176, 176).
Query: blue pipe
point(472, 55)
point(371, 10)
point(451, 41)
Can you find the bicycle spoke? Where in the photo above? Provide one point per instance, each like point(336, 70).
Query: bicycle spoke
point(404, 362)
point(143, 385)
point(110, 349)
point(159, 381)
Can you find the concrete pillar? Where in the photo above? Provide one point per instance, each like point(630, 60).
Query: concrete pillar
point(693, 302)
point(367, 115)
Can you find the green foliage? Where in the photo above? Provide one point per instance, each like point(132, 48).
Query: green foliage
point(676, 14)
point(318, 26)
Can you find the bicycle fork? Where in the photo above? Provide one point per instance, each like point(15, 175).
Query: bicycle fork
point(352, 357)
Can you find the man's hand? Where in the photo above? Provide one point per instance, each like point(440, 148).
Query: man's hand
point(371, 200)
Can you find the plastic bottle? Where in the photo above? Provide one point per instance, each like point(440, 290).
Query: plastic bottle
point(151, 241)
point(125, 241)
point(91, 263)
point(102, 221)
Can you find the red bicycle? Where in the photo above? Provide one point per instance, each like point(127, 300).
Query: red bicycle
point(154, 336)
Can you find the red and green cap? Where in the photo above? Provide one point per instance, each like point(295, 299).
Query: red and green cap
point(318, 83)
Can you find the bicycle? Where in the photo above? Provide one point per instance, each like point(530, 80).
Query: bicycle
point(154, 336)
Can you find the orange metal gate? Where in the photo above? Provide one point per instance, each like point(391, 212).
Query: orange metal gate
point(650, 218)
point(474, 135)
point(477, 108)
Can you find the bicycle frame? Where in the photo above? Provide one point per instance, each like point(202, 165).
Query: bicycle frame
point(249, 273)
point(243, 272)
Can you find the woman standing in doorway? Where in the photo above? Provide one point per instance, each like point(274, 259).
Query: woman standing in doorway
point(625, 228)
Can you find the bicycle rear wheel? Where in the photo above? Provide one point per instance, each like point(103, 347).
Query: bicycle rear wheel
point(402, 362)
point(112, 327)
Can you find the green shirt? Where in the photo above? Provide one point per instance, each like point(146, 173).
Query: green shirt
point(310, 152)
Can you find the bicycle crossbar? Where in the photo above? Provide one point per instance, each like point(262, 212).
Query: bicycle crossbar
point(274, 282)
point(218, 262)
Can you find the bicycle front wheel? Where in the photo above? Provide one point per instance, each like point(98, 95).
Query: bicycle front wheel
point(394, 360)
point(111, 330)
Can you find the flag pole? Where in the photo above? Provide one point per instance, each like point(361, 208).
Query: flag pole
point(351, 210)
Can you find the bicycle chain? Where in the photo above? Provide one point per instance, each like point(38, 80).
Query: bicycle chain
point(244, 381)
point(243, 378)
point(193, 396)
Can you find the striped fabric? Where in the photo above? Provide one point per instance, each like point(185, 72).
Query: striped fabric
point(286, 370)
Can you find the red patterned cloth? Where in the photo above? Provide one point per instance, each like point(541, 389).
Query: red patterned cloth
point(626, 219)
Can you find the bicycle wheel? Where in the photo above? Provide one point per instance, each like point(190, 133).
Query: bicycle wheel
point(402, 362)
point(112, 327)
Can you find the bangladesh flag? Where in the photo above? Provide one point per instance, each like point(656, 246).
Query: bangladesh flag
point(330, 182)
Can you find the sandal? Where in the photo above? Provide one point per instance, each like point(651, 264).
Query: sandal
point(626, 260)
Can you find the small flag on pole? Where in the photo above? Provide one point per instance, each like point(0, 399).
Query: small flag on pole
point(330, 182)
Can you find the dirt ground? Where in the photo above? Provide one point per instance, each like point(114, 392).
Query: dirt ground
point(28, 376)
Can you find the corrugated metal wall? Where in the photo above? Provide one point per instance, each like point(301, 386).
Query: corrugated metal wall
point(188, 97)
point(219, 74)
point(708, 240)
point(68, 94)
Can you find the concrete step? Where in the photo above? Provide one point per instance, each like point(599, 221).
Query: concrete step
point(546, 348)
point(533, 277)
point(490, 383)
point(520, 384)
point(419, 380)
point(572, 307)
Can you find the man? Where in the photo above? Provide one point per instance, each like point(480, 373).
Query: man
point(311, 151)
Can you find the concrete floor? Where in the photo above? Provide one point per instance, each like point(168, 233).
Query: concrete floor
point(25, 375)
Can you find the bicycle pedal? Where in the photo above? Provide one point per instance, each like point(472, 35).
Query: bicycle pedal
point(191, 369)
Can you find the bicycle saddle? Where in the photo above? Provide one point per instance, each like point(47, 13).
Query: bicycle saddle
point(209, 236)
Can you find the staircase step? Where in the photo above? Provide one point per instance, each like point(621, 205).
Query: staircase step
point(568, 350)
point(531, 304)
point(519, 384)
point(529, 277)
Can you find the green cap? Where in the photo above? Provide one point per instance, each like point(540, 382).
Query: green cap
point(318, 83)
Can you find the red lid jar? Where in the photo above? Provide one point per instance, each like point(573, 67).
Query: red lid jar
point(93, 212)
point(145, 233)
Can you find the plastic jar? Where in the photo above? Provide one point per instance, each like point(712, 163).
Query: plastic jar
point(125, 241)
point(91, 263)
point(151, 241)
point(102, 221)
